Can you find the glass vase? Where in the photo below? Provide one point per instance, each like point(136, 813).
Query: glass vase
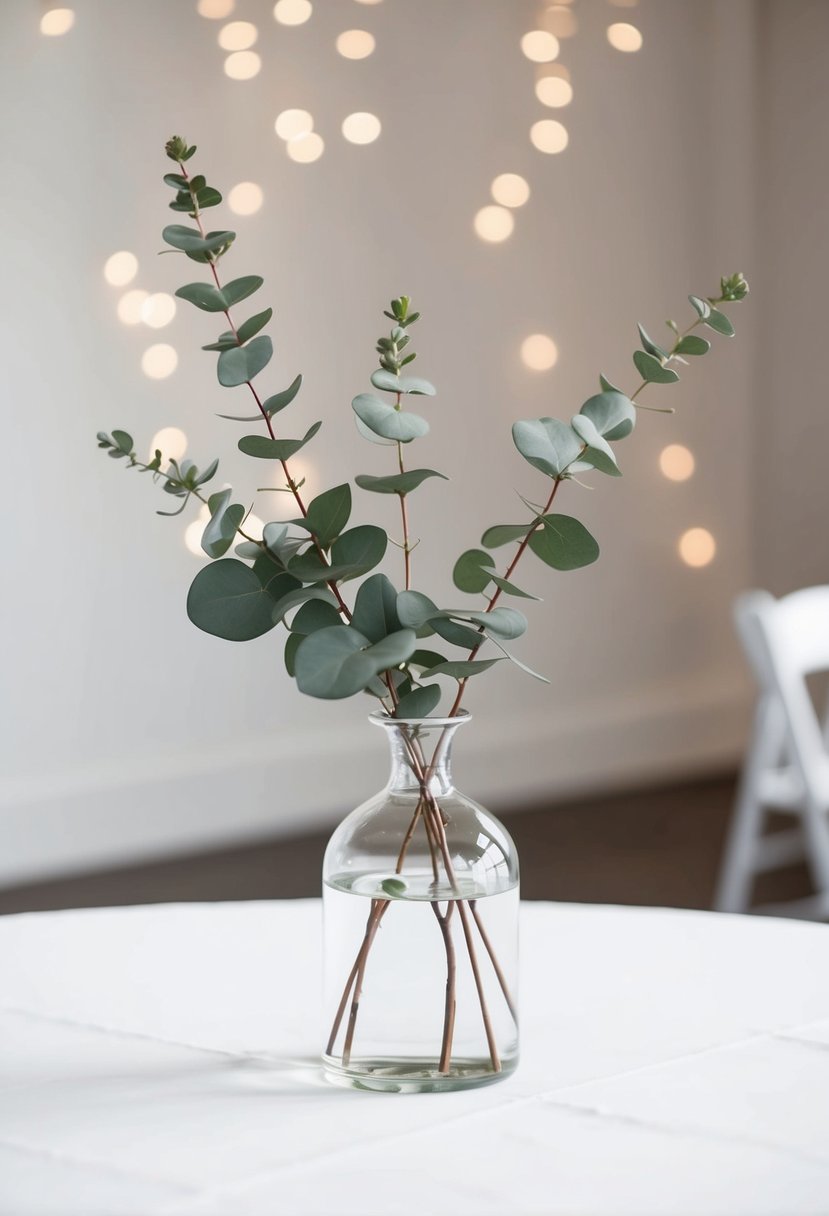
point(420, 895)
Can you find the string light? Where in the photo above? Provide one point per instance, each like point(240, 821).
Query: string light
point(215, 10)
point(361, 128)
point(697, 547)
point(293, 124)
point(121, 268)
point(159, 361)
point(677, 462)
point(554, 88)
point(243, 65)
point(539, 352)
point(624, 37)
point(510, 190)
point(130, 305)
point(292, 12)
point(245, 199)
point(158, 310)
point(540, 46)
point(57, 21)
point(238, 36)
point(549, 136)
point(355, 44)
point(306, 148)
point(494, 224)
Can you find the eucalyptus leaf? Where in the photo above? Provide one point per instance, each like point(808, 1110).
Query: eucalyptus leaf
point(598, 454)
point(387, 422)
point(455, 634)
point(702, 307)
point(239, 289)
point(692, 344)
point(271, 405)
point(564, 543)
point(364, 546)
point(426, 659)
point(243, 363)
point(190, 240)
point(314, 615)
point(204, 296)
point(330, 663)
point(294, 598)
point(502, 534)
point(547, 444)
point(396, 483)
point(462, 669)
point(393, 650)
point(328, 514)
point(249, 328)
point(415, 609)
point(606, 386)
point(506, 623)
point(651, 370)
point(417, 386)
point(264, 448)
point(612, 414)
point(511, 589)
point(470, 573)
point(223, 525)
point(650, 346)
point(375, 608)
point(419, 703)
point(228, 600)
point(291, 647)
point(719, 322)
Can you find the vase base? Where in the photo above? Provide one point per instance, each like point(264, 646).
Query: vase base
point(411, 1075)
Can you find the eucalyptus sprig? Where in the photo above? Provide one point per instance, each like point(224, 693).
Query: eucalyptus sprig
point(296, 575)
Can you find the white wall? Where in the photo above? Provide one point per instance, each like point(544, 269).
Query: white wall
point(127, 732)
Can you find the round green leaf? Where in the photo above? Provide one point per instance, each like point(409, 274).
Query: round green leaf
point(397, 483)
point(228, 600)
point(502, 534)
point(375, 608)
point(612, 414)
point(651, 370)
point(547, 444)
point(469, 573)
point(692, 344)
point(719, 322)
point(264, 448)
point(387, 422)
point(564, 543)
point(330, 663)
point(242, 363)
point(419, 703)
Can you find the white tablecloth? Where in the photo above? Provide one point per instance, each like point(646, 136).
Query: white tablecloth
point(164, 1060)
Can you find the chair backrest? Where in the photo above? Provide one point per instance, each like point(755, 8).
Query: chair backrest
point(785, 641)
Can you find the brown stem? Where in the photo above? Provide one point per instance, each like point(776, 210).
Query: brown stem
point(451, 974)
point(292, 486)
point(496, 966)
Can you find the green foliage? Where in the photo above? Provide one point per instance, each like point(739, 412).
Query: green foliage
point(298, 568)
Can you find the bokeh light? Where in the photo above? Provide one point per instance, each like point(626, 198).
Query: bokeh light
point(549, 136)
point(192, 537)
point(494, 224)
point(245, 199)
point(292, 12)
point(158, 310)
point(361, 128)
point(306, 148)
point(243, 65)
point(121, 268)
point(238, 36)
point(677, 462)
point(130, 305)
point(554, 88)
point(159, 361)
point(215, 10)
point(172, 441)
point(697, 547)
point(293, 124)
point(540, 46)
point(355, 44)
point(561, 21)
point(624, 37)
point(510, 190)
point(57, 21)
point(539, 352)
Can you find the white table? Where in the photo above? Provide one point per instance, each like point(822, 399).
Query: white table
point(163, 1060)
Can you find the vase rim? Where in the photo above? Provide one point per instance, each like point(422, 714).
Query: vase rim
point(379, 718)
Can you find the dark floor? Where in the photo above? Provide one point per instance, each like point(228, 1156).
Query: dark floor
point(656, 846)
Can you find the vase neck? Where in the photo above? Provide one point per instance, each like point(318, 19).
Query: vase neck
point(421, 753)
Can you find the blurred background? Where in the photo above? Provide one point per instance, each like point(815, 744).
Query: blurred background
point(361, 146)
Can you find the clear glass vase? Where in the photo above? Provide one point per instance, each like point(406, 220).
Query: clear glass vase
point(420, 894)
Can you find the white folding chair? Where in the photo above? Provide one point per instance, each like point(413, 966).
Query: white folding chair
point(787, 765)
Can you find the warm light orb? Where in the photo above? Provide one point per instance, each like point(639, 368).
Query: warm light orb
point(292, 12)
point(540, 46)
point(245, 199)
point(355, 44)
point(550, 136)
point(215, 10)
point(192, 538)
point(510, 190)
point(561, 21)
point(57, 21)
point(171, 441)
point(253, 525)
point(494, 224)
point(677, 462)
point(539, 352)
point(697, 547)
point(238, 36)
point(158, 310)
point(159, 361)
point(624, 37)
point(306, 148)
point(554, 90)
point(130, 305)
point(293, 124)
point(243, 65)
point(121, 268)
point(361, 128)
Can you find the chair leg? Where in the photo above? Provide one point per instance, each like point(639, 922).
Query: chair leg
point(816, 830)
point(737, 872)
